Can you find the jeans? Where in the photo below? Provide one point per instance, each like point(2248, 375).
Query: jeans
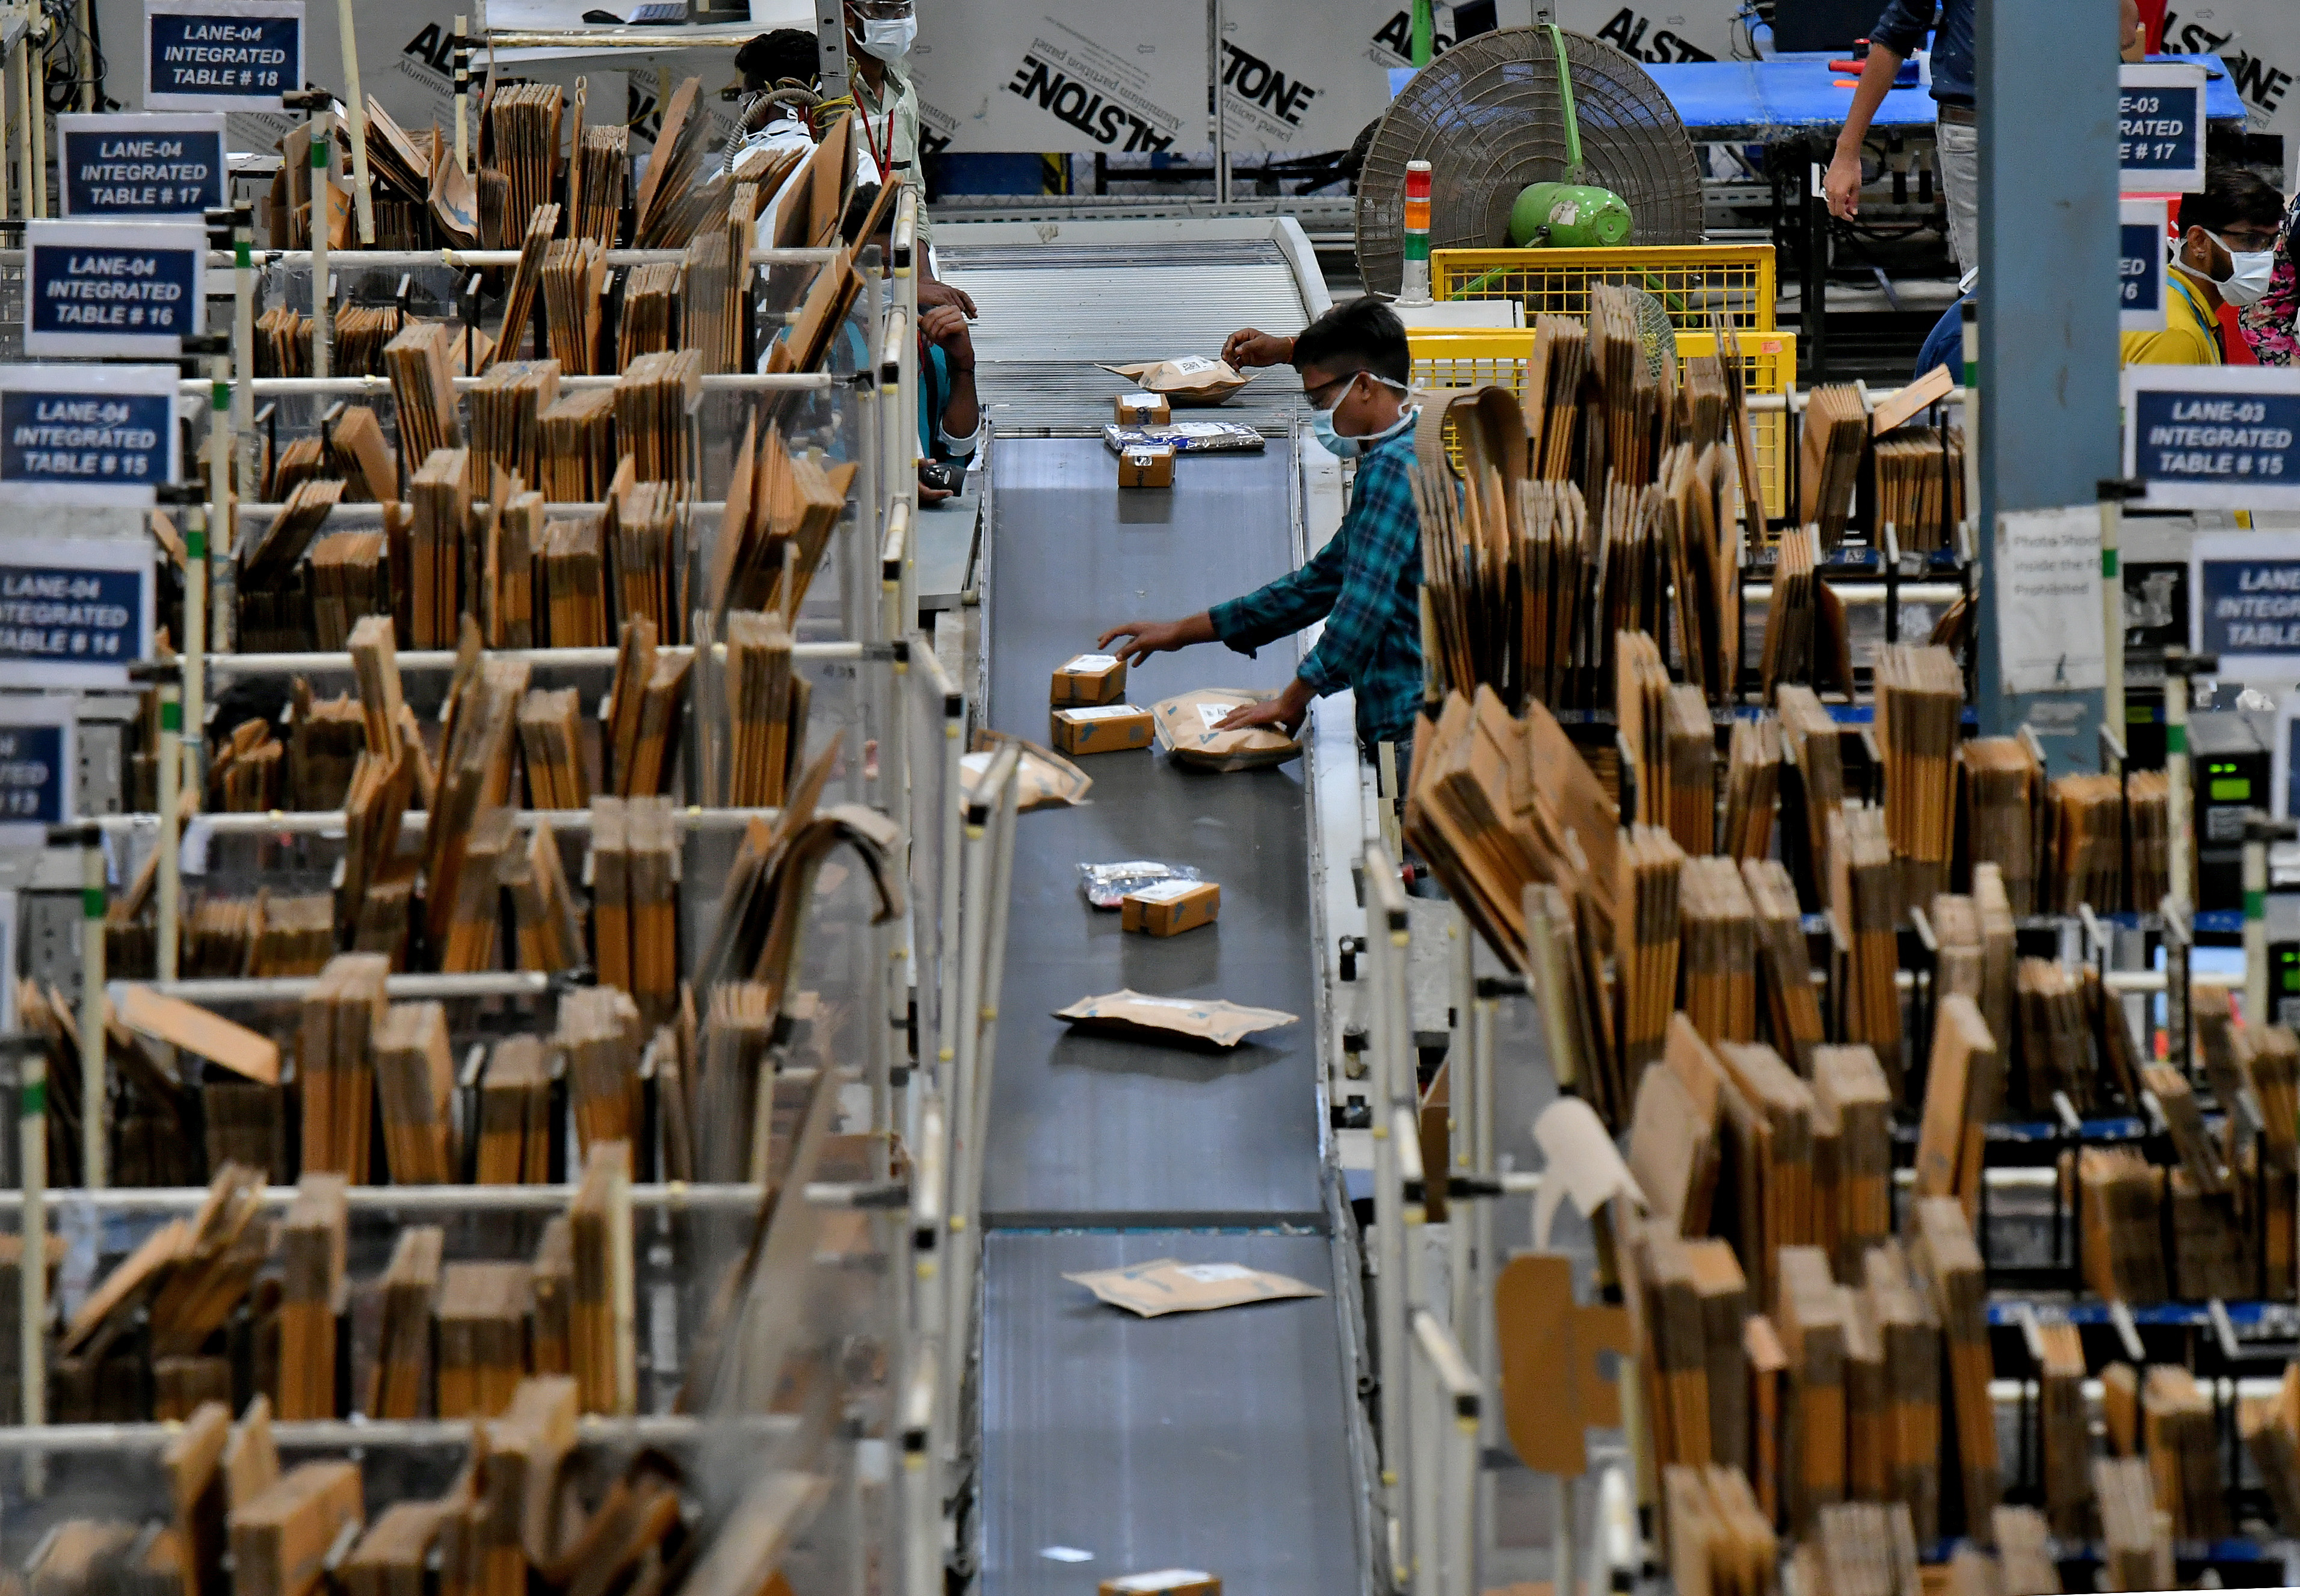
point(1958, 149)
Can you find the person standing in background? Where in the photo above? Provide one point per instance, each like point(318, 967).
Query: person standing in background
point(879, 33)
point(2223, 258)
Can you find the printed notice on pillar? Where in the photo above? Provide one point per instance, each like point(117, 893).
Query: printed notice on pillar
point(2049, 606)
point(123, 168)
point(37, 760)
point(2244, 598)
point(112, 287)
point(222, 54)
point(2222, 438)
point(74, 611)
point(86, 435)
point(2140, 265)
point(2160, 127)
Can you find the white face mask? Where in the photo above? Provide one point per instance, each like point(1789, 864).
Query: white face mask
point(890, 38)
point(2246, 283)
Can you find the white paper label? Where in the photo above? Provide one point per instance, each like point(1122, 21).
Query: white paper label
point(1101, 711)
point(1190, 365)
point(1087, 664)
point(1165, 1579)
point(1201, 428)
point(1215, 1274)
point(1214, 714)
point(974, 764)
point(1139, 400)
point(2048, 609)
point(1165, 892)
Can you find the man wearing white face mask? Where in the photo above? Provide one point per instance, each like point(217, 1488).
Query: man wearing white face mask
point(1366, 583)
point(2225, 256)
point(879, 33)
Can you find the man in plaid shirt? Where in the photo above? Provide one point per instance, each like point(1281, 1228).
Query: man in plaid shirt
point(1365, 584)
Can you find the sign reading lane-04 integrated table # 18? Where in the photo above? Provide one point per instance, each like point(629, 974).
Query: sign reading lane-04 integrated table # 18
point(126, 167)
point(2160, 127)
point(2225, 437)
point(114, 288)
point(74, 611)
point(86, 435)
point(222, 54)
point(2140, 266)
point(37, 735)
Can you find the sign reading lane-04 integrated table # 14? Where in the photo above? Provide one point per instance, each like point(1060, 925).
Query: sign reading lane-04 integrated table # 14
point(127, 167)
point(86, 435)
point(222, 54)
point(2160, 127)
point(74, 611)
point(2224, 438)
point(114, 288)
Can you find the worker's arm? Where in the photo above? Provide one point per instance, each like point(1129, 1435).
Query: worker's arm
point(1270, 612)
point(1897, 35)
point(1385, 543)
point(944, 327)
point(1249, 348)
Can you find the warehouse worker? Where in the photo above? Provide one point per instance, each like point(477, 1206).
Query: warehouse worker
point(1365, 584)
point(886, 119)
point(2226, 255)
point(1956, 128)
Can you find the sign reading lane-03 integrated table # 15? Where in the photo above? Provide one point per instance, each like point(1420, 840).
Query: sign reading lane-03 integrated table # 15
point(222, 54)
point(126, 167)
point(2224, 438)
point(74, 611)
point(86, 435)
point(114, 288)
point(2160, 127)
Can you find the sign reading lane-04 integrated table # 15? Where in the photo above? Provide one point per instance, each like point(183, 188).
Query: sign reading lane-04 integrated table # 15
point(74, 611)
point(126, 167)
point(114, 288)
point(2224, 438)
point(2160, 127)
point(222, 54)
point(86, 435)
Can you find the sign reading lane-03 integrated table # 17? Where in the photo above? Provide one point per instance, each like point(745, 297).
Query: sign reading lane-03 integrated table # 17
point(114, 288)
point(86, 435)
point(74, 611)
point(222, 54)
point(2223, 438)
point(127, 167)
point(2160, 127)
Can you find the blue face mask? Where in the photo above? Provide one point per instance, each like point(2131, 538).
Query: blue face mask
point(1322, 426)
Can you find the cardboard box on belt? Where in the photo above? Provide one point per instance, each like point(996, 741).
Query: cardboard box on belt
point(1165, 1582)
point(1089, 678)
point(1102, 728)
point(1145, 465)
point(1171, 907)
point(1142, 410)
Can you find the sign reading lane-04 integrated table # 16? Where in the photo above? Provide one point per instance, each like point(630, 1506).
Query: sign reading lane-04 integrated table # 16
point(2160, 127)
point(74, 611)
point(2223, 438)
point(127, 167)
point(114, 288)
point(86, 435)
point(222, 54)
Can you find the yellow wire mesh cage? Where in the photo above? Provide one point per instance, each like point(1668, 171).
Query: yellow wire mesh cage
point(1693, 281)
point(1447, 358)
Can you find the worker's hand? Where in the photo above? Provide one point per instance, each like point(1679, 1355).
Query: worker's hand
point(1248, 347)
point(945, 325)
point(933, 293)
point(1147, 637)
point(1286, 712)
point(1843, 184)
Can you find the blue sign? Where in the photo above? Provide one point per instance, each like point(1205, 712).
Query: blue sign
point(222, 54)
point(73, 612)
point(2232, 441)
point(137, 166)
point(32, 765)
point(2160, 127)
point(2248, 610)
point(111, 287)
point(2140, 273)
point(95, 447)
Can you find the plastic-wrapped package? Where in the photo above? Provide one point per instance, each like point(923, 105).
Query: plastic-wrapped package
point(1105, 884)
point(1187, 437)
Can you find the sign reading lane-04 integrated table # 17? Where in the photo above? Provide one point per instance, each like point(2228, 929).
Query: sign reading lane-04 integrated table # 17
point(2223, 438)
point(86, 435)
point(2160, 127)
point(74, 611)
point(114, 288)
point(127, 167)
point(222, 54)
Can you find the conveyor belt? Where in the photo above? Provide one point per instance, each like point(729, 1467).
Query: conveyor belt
point(1087, 1128)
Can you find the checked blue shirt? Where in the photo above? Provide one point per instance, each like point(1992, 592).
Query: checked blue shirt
point(1366, 586)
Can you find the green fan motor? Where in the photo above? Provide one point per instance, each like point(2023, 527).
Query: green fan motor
point(1573, 213)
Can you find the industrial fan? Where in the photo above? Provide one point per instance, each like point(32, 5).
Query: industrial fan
point(1490, 117)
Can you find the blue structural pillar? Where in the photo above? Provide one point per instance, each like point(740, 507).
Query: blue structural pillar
point(2049, 308)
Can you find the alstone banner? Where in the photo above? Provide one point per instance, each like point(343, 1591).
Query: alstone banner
point(1117, 76)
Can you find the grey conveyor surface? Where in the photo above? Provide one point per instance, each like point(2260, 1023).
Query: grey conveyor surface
point(1208, 1441)
point(1218, 1441)
point(1092, 1128)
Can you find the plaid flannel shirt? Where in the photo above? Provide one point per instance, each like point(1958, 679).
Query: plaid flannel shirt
point(1366, 585)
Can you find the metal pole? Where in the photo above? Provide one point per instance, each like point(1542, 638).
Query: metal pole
point(323, 319)
point(922, 1565)
point(2113, 491)
point(243, 357)
point(193, 722)
point(905, 250)
point(2181, 667)
point(33, 1271)
point(91, 1015)
point(1387, 941)
point(171, 775)
point(1421, 1555)
point(37, 85)
point(26, 178)
point(86, 100)
point(2255, 922)
point(966, 1152)
point(365, 207)
point(462, 108)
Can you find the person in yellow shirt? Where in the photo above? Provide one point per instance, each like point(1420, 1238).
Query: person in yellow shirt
point(2226, 255)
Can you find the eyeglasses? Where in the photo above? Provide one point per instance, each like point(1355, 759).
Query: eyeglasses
point(2248, 239)
point(1316, 396)
point(881, 11)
